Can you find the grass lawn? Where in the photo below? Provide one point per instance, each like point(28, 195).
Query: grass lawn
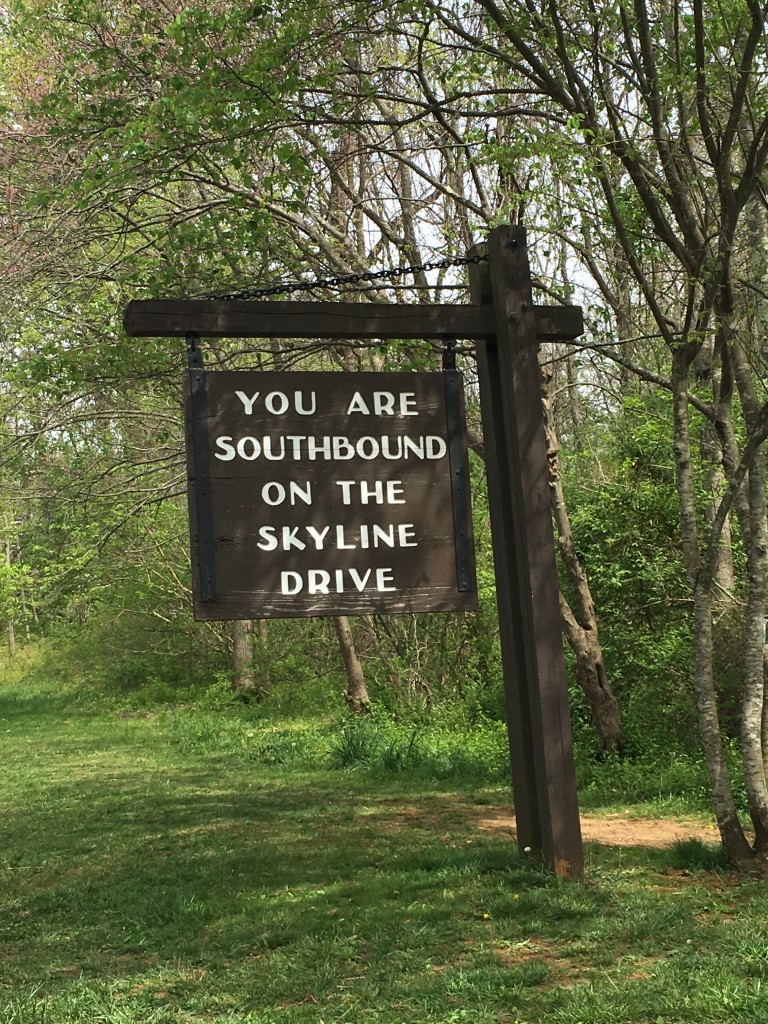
point(143, 881)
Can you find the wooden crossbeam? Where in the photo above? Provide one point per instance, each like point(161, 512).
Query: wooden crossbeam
point(227, 318)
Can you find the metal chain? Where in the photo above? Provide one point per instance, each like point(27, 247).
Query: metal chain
point(344, 279)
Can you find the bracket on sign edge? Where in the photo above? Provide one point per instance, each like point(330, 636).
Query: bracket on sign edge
point(457, 458)
point(206, 556)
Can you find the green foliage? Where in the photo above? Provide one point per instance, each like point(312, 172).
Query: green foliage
point(660, 778)
point(249, 737)
point(625, 521)
point(476, 755)
point(211, 724)
point(163, 151)
point(357, 744)
point(167, 109)
point(694, 855)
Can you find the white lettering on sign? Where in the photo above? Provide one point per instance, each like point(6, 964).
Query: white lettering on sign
point(384, 403)
point(383, 492)
point(275, 493)
point(321, 581)
point(247, 402)
point(278, 403)
point(329, 448)
point(344, 538)
point(316, 473)
point(248, 448)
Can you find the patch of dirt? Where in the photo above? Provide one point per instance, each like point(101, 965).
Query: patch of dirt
point(444, 814)
point(614, 829)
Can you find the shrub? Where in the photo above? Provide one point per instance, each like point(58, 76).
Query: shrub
point(357, 744)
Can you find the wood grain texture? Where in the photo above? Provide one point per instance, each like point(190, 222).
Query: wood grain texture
point(524, 556)
point(174, 318)
point(301, 493)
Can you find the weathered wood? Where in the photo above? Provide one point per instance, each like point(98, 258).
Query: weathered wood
point(198, 456)
point(458, 456)
point(546, 802)
point(312, 499)
point(497, 468)
point(219, 318)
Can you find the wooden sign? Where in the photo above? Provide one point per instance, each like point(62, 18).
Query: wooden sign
point(426, 569)
point(328, 494)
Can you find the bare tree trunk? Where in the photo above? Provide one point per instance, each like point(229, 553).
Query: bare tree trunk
point(735, 842)
point(713, 458)
point(356, 692)
point(575, 408)
point(753, 706)
point(593, 680)
point(11, 631)
point(265, 683)
point(242, 657)
point(754, 697)
point(580, 627)
point(725, 575)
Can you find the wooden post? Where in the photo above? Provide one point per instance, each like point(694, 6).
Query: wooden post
point(538, 717)
point(507, 328)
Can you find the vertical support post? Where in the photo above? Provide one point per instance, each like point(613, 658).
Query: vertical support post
point(538, 716)
point(206, 558)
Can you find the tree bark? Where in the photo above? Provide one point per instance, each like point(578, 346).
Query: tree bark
point(725, 574)
point(591, 676)
point(580, 627)
point(242, 657)
point(735, 842)
point(753, 705)
point(265, 681)
point(356, 692)
point(754, 696)
point(11, 630)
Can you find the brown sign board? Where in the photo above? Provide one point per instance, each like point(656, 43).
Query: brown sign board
point(330, 494)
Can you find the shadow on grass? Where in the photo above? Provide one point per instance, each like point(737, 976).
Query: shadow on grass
point(144, 884)
point(114, 846)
